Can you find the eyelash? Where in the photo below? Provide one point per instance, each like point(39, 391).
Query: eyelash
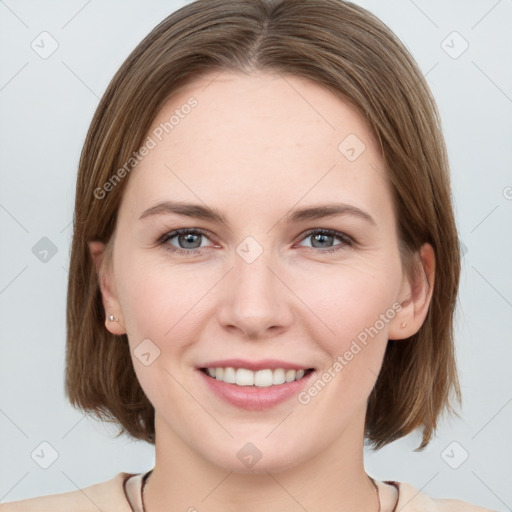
point(345, 239)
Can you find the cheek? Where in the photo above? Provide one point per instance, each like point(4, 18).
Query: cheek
point(349, 299)
point(158, 299)
point(354, 307)
point(359, 311)
point(160, 304)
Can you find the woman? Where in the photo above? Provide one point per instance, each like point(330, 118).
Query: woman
point(265, 263)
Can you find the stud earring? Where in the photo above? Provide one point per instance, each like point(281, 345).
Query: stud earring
point(403, 324)
point(112, 318)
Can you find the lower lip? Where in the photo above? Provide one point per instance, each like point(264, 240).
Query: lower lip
point(253, 398)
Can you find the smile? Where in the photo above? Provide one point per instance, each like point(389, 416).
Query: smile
point(261, 378)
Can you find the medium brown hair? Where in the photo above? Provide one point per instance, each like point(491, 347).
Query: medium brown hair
point(350, 52)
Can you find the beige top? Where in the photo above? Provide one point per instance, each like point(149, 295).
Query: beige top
point(122, 494)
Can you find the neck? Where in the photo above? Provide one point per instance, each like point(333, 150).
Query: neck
point(334, 480)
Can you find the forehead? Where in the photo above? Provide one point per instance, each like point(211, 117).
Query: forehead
point(257, 139)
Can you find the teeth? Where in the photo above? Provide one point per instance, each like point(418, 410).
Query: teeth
point(229, 375)
point(289, 375)
point(259, 379)
point(244, 377)
point(278, 376)
point(263, 378)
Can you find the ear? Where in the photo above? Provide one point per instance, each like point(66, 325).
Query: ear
point(106, 281)
point(415, 295)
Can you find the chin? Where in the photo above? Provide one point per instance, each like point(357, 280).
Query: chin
point(274, 464)
point(258, 457)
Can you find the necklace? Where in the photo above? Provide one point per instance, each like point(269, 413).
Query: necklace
point(376, 491)
point(143, 489)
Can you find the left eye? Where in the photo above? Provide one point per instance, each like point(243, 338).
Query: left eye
point(322, 236)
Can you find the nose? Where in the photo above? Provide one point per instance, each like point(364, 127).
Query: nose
point(255, 299)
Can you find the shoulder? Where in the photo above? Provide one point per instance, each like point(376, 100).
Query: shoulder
point(108, 495)
point(412, 500)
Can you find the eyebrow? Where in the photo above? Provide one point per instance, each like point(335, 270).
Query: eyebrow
point(296, 215)
point(187, 209)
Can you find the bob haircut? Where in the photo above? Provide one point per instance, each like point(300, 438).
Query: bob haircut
point(351, 53)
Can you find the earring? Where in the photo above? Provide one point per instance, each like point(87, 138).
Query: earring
point(112, 318)
point(403, 324)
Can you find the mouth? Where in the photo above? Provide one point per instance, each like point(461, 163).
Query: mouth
point(263, 378)
point(255, 385)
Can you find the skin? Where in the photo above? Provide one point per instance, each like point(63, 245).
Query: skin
point(256, 146)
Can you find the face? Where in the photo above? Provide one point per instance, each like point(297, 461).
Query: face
point(261, 286)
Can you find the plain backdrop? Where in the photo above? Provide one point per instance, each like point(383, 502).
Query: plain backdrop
point(464, 48)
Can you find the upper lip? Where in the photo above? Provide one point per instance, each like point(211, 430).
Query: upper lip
point(262, 364)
